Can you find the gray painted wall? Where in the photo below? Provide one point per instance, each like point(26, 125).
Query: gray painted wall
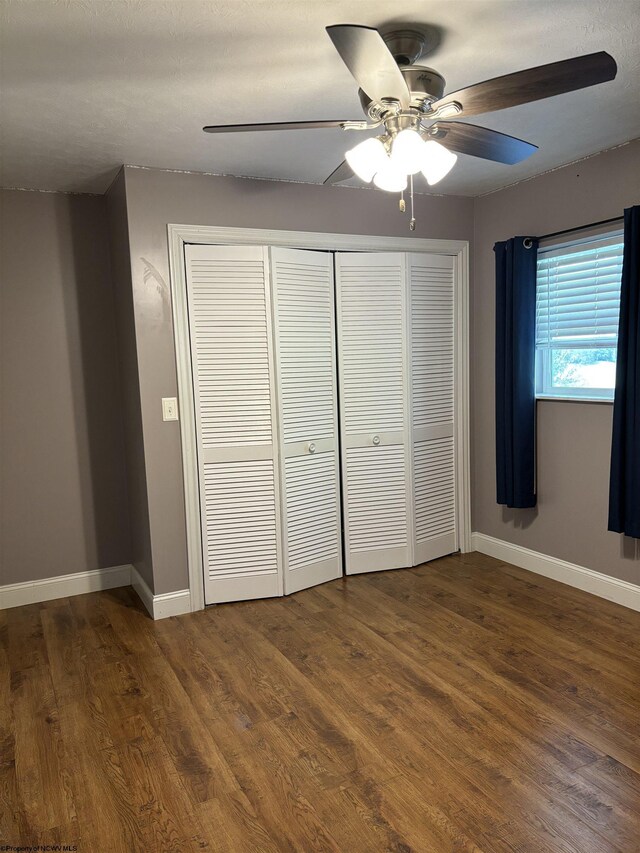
point(128, 362)
point(574, 439)
point(63, 495)
point(63, 403)
point(156, 198)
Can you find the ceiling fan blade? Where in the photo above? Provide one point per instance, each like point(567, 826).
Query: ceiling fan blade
point(533, 84)
point(343, 173)
point(279, 125)
point(367, 57)
point(481, 142)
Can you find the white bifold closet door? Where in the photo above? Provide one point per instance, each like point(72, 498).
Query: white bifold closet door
point(396, 357)
point(264, 373)
point(234, 388)
point(304, 314)
point(373, 359)
point(432, 395)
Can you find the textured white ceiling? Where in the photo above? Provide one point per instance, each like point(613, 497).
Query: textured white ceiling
point(90, 84)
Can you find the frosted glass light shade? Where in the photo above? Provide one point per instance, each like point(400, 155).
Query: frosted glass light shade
point(390, 178)
point(367, 158)
point(437, 161)
point(407, 152)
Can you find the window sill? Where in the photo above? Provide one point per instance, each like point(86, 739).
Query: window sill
point(574, 399)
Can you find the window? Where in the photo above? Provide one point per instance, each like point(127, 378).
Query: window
point(577, 309)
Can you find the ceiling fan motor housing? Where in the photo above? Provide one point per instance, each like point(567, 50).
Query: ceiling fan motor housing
point(425, 85)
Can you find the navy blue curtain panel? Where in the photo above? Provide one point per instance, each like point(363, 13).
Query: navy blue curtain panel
point(624, 483)
point(515, 371)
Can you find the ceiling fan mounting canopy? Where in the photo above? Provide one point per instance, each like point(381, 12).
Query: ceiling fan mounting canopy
point(406, 46)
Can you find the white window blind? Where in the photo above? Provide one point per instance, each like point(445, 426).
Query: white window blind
point(578, 294)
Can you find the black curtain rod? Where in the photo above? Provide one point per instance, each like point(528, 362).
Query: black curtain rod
point(581, 227)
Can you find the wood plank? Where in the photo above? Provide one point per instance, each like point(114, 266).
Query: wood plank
point(42, 772)
point(461, 705)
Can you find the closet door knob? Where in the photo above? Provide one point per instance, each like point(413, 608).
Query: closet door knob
point(376, 440)
point(312, 447)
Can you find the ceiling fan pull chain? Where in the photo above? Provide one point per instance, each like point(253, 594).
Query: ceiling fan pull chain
point(412, 221)
point(401, 203)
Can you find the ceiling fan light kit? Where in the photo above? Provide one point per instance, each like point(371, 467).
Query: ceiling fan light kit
point(407, 151)
point(391, 178)
point(438, 162)
point(389, 162)
point(408, 102)
point(367, 158)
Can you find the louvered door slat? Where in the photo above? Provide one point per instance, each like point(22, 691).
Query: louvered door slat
point(431, 282)
point(306, 368)
point(232, 356)
point(312, 512)
point(229, 327)
point(374, 413)
point(377, 501)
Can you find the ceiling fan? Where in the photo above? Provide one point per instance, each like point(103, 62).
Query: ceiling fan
point(407, 102)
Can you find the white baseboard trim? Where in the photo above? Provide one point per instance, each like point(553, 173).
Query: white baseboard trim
point(63, 586)
point(32, 592)
point(621, 592)
point(164, 605)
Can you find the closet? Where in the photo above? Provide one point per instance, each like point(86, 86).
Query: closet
point(296, 475)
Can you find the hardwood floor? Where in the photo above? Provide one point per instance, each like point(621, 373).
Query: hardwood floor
point(462, 705)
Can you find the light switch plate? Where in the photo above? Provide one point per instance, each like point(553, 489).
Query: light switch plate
point(169, 409)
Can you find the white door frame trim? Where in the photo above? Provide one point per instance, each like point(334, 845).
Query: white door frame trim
point(179, 235)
